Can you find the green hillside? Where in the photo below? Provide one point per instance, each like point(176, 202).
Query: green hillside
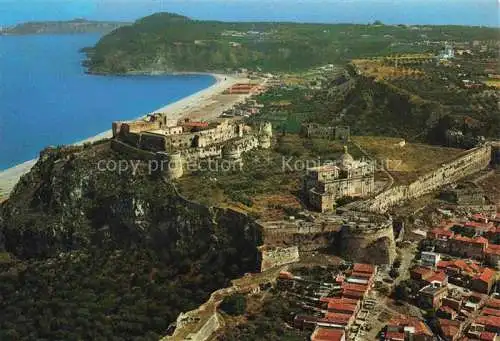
point(170, 42)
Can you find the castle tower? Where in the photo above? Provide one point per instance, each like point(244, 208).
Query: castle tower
point(174, 168)
point(232, 154)
point(265, 135)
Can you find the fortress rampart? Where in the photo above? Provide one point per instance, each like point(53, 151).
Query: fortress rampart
point(278, 256)
point(368, 245)
point(471, 162)
point(189, 142)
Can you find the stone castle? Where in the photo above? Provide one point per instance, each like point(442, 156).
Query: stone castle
point(324, 185)
point(183, 142)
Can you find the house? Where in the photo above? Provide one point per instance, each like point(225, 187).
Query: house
point(486, 324)
point(468, 247)
point(446, 312)
point(450, 330)
point(429, 258)
point(431, 296)
point(484, 281)
point(492, 255)
point(305, 322)
point(338, 320)
point(420, 273)
point(427, 276)
point(453, 302)
point(490, 312)
point(488, 336)
point(328, 334)
point(493, 303)
point(474, 302)
point(479, 227)
point(407, 328)
point(362, 274)
point(342, 308)
point(460, 271)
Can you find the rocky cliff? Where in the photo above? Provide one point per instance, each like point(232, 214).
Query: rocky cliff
point(112, 235)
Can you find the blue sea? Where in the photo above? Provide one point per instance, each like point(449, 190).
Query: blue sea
point(47, 99)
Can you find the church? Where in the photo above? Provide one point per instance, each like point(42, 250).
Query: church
point(324, 185)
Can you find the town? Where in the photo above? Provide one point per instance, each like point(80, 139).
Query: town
point(337, 182)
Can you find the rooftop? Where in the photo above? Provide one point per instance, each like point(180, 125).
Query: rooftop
point(327, 334)
point(364, 268)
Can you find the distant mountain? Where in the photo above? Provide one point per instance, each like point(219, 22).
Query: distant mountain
point(62, 27)
point(168, 42)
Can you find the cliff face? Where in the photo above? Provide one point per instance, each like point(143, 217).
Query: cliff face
point(66, 202)
point(120, 252)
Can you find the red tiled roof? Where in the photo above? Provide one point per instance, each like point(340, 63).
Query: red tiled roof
point(479, 216)
point(487, 275)
point(285, 275)
point(491, 321)
point(475, 240)
point(493, 303)
point(479, 225)
point(460, 264)
point(354, 287)
point(195, 124)
point(481, 240)
point(422, 271)
point(438, 276)
point(448, 310)
point(327, 334)
point(361, 274)
point(440, 232)
point(338, 318)
point(490, 311)
point(487, 336)
point(493, 249)
point(407, 321)
point(341, 307)
point(448, 327)
point(337, 300)
point(396, 336)
point(351, 293)
point(366, 268)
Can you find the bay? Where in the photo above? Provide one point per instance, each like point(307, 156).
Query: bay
point(47, 99)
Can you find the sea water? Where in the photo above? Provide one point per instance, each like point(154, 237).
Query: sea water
point(47, 99)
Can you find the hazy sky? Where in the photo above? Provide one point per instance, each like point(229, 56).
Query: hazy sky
point(469, 12)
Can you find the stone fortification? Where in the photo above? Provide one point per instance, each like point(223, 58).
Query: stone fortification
point(369, 242)
point(471, 162)
point(324, 185)
point(308, 235)
point(355, 236)
point(278, 256)
point(315, 130)
point(189, 142)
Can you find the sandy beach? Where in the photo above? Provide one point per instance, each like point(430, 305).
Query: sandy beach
point(10, 176)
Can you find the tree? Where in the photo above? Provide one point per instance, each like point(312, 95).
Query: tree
point(394, 273)
point(401, 292)
point(234, 305)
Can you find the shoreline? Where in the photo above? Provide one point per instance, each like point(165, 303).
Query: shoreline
point(10, 176)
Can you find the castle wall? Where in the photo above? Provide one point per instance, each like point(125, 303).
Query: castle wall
point(152, 142)
point(279, 256)
point(210, 327)
point(374, 245)
point(131, 152)
point(465, 165)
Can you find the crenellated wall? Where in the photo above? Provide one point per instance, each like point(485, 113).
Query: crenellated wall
point(465, 165)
